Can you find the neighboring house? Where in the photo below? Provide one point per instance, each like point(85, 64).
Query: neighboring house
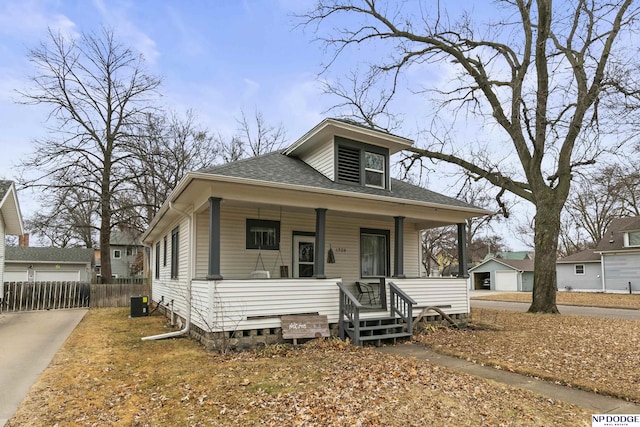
point(125, 247)
point(10, 222)
point(503, 274)
point(580, 271)
point(237, 246)
point(36, 264)
point(613, 266)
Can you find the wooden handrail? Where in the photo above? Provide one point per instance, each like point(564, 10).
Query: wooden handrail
point(349, 308)
point(401, 304)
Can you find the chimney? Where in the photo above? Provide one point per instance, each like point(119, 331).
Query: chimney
point(23, 240)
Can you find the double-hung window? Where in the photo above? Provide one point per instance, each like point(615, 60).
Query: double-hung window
point(374, 170)
point(579, 269)
point(263, 234)
point(634, 238)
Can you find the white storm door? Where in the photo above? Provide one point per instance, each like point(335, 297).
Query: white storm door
point(303, 256)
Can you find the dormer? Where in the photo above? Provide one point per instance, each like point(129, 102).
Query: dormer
point(632, 239)
point(349, 153)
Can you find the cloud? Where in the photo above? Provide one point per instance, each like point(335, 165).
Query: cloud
point(116, 16)
point(30, 19)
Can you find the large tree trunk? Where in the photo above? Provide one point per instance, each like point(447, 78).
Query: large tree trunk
point(547, 230)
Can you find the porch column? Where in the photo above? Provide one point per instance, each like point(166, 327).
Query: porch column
point(318, 261)
point(398, 248)
point(213, 272)
point(462, 251)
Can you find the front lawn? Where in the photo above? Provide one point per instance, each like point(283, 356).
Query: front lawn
point(590, 353)
point(104, 375)
point(590, 299)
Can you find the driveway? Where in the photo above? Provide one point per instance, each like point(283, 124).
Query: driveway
point(28, 342)
point(614, 313)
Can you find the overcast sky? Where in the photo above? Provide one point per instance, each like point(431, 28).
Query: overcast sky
point(215, 57)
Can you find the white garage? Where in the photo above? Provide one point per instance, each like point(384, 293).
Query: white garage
point(507, 275)
point(34, 264)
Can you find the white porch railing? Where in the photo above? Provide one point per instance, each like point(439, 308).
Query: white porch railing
point(236, 305)
point(449, 294)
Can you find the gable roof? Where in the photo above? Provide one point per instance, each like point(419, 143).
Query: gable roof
point(279, 168)
point(57, 255)
point(514, 264)
point(10, 208)
point(614, 236)
point(347, 129)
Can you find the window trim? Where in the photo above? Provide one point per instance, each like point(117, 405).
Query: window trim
point(575, 270)
point(175, 244)
point(117, 254)
point(379, 232)
point(264, 223)
point(628, 239)
point(377, 171)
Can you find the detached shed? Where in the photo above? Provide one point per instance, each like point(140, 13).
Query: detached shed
point(511, 275)
point(35, 264)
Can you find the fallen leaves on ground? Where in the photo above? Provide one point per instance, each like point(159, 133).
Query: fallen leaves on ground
point(104, 375)
point(590, 353)
point(589, 299)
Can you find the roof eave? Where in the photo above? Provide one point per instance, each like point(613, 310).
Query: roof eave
point(10, 208)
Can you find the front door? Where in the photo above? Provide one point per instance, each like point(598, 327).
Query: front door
point(303, 256)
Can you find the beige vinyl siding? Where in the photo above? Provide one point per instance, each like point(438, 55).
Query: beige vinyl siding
point(173, 289)
point(2, 245)
point(321, 158)
point(343, 237)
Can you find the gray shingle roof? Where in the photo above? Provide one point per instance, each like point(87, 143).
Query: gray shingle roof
point(583, 256)
point(37, 254)
point(278, 168)
point(614, 237)
point(4, 187)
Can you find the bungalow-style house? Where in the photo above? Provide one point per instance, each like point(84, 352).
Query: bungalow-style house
point(613, 266)
point(505, 271)
point(318, 228)
point(10, 222)
point(37, 264)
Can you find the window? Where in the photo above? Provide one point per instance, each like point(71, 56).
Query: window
point(263, 234)
point(374, 169)
point(634, 238)
point(579, 269)
point(117, 254)
point(175, 242)
point(359, 163)
point(158, 260)
point(374, 253)
point(164, 251)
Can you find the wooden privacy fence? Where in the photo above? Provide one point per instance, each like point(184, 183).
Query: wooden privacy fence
point(27, 296)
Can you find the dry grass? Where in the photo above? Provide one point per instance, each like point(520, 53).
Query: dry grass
point(104, 375)
point(591, 299)
point(590, 353)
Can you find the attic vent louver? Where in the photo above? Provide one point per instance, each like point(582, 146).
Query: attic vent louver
point(348, 164)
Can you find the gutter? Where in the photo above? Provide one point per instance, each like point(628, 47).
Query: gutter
point(187, 325)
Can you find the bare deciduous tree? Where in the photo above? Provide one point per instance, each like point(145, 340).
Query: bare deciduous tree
point(554, 85)
point(99, 93)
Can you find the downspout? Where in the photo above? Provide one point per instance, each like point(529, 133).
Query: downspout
point(187, 324)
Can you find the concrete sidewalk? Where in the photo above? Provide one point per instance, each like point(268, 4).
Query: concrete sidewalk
point(597, 403)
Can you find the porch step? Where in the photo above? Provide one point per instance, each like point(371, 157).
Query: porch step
point(378, 330)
